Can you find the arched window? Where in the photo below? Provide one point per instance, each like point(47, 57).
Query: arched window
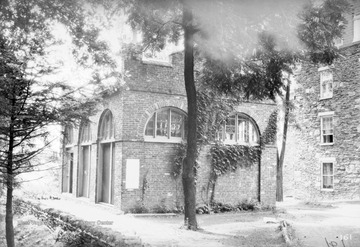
point(69, 135)
point(239, 129)
point(106, 127)
point(85, 133)
point(166, 124)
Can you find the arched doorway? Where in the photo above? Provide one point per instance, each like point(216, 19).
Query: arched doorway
point(105, 162)
point(85, 160)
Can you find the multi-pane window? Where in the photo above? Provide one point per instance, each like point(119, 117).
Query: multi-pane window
point(327, 175)
point(239, 129)
point(326, 83)
point(69, 135)
point(166, 123)
point(327, 129)
point(106, 127)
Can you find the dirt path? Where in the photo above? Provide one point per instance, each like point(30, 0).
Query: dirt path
point(328, 225)
point(246, 229)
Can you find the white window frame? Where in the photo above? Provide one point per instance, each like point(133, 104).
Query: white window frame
point(356, 28)
point(323, 115)
point(333, 162)
point(327, 94)
point(237, 141)
point(168, 138)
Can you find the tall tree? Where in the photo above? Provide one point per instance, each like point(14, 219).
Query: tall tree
point(29, 102)
point(320, 26)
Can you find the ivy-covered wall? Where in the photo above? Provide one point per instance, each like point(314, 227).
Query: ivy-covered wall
point(233, 173)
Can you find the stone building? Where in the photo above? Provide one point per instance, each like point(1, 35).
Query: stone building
point(125, 156)
point(322, 160)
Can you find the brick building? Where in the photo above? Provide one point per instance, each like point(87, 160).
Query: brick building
point(126, 154)
point(322, 160)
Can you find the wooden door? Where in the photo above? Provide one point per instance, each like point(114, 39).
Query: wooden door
point(84, 171)
point(106, 174)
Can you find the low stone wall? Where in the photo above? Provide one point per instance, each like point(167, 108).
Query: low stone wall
point(89, 232)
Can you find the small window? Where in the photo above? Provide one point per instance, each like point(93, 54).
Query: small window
point(85, 133)
point(327, 175)
point(326, 83)
point(106, 127)
point(69, 135)
point(239, 129)
point(165, 124)
point(327, 129)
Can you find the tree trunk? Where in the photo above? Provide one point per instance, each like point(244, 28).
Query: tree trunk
point(9, 196)
point(9, 227)
point(9, 213)
point(280, 163)
point(188, 175)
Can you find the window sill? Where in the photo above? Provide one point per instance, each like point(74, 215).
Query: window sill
point(326, 144)
point(107, 140)
point(252, 144)
point(164, 140)
point(327, 190)
point(324, 98)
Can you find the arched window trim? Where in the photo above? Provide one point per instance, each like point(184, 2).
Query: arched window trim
point(169, 138)
point(110, 136)
point(85, 129)
point(248, 123)
point(69, 136)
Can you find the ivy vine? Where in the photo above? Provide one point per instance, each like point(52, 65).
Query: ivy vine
point(213, 110)
point(269, 134)
point(178, 160)
point(227, 158)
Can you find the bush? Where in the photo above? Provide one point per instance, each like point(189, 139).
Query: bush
point(218, 207)
point(139, 208)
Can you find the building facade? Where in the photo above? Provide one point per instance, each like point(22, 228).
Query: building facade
point(322, 160)
point(125, 155)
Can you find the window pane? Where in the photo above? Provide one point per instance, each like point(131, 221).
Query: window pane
point(253, 134)
point(327, 129)
point(85, 133)
point(328, 182)
point(150, 127)
point(328, 168)
point(241, 130)
point(177, 122)
point(162, 123)
point(230, 129)
point(106, 126)
point(328, 175)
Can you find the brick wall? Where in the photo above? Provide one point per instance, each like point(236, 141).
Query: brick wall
point(156, 78)
point(149, 88)
point(305, 179)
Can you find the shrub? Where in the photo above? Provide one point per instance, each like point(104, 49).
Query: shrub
point(138, 208)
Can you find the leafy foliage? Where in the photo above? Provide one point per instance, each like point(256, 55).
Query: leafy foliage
point(213, 109)
point(226, 158)
point(178, 160)
point(218, 207)
point(258, 77)
point(320, 26)
point(269, 134)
